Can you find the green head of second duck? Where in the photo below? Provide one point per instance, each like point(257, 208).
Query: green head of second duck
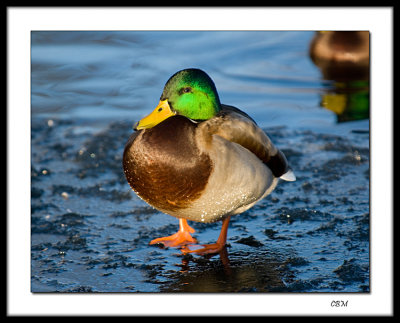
point(190, 93)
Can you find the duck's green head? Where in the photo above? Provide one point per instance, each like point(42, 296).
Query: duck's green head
point(190, 93)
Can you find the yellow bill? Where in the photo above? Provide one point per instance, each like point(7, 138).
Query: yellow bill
point(160, 113)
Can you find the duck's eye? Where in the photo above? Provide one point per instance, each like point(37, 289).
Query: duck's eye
point(186, 90)
point(159, 109)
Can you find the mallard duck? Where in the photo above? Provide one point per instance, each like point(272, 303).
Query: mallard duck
point(199, 160)
point(341, 54)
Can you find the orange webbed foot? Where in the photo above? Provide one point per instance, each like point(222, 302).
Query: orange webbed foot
point(206, 250)
point(213, 247)
point(182, 237)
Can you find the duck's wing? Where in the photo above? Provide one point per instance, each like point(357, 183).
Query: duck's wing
point(229, 108)
point(236, 126)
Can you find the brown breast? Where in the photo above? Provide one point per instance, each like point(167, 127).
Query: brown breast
point(164, 166)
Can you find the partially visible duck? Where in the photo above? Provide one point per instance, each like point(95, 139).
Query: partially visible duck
point(341, 54)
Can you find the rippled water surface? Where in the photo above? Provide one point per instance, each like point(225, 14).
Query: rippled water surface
point(90, 232)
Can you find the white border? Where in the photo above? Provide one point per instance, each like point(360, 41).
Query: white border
point(22, 20)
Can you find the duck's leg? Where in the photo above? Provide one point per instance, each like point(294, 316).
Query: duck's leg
point(213, 247)
point(182, 237)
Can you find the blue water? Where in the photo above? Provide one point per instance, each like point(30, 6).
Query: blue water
point(90, 232)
